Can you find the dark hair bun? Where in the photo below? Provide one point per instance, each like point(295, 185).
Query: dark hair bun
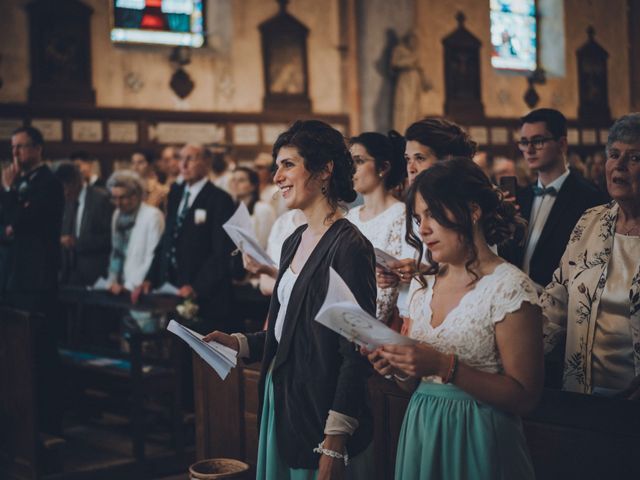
point(387, 149)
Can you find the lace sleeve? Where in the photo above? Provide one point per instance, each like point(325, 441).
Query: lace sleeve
point(513, 288)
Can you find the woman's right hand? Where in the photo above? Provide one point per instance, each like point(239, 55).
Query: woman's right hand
point(380, 364)
point(223, 338)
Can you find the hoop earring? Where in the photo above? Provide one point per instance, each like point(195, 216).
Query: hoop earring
point(323, 190)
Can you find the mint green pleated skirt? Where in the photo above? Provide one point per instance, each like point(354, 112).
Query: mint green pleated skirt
point(447, 434)
point(271, 465)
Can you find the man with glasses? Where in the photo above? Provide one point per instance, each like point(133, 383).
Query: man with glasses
point(32, 202)
point(552, 205)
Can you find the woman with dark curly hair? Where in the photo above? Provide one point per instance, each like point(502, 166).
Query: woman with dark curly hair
point(315, 422)
point(477, 364)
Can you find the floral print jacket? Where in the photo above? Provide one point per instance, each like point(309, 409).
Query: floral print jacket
point(572, 298)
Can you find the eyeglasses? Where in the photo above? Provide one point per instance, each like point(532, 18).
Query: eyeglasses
point(537, 142)
point(120, 198)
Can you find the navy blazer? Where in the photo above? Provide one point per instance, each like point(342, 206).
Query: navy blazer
point(203, 252)
point(315, 369)
point(575, 196)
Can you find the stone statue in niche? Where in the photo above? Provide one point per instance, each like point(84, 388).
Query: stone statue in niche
point(410, 82)
point(592, 80)
point(60, 42)
point(462, 74)
point(286, 68)
point(284, 50)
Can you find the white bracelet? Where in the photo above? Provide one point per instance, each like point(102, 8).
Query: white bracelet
point(332, 453)
point(401, 379)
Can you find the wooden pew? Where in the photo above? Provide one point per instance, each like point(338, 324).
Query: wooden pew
point(18, 421)
point(569, 435)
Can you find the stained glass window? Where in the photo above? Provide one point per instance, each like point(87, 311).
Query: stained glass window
point(514, 35)
point(166, 22)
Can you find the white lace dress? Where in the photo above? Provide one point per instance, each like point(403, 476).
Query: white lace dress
point(469, 329)
point(386, 232)
point(447, 433)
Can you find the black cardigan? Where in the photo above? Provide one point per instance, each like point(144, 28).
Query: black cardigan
point(314, 369)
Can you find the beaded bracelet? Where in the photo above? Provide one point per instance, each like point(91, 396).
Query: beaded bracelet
point(453, 367)
point(332, 453)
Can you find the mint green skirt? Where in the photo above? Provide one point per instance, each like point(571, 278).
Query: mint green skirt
point(447, 434)
point(271, 465)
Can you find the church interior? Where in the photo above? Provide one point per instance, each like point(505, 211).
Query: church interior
point(106, 81)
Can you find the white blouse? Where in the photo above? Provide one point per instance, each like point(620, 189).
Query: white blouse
point(285, 287)
point(386, 232)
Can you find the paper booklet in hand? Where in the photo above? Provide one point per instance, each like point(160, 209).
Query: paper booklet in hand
point(384, 260)
point(220, 357)
point(240, 229)
point(341, 313)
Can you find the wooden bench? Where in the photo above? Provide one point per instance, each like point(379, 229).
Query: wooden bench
point(125, 381)
point(569, 435)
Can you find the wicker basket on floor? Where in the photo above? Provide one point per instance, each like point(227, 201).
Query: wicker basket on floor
point(218, 468)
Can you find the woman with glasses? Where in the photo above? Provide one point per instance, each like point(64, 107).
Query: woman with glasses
point(136, 231)
point(380, 168)
point(595, 292)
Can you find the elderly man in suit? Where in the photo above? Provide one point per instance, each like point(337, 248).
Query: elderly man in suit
point(86, 228)
point(555, 202)
point(194, 253)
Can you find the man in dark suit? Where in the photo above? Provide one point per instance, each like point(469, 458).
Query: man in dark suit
point(555, 202)
point(32, 203)
point(86, 229)
point(194, 253)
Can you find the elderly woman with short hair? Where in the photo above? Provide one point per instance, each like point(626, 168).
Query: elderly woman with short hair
point(595, 292)
point(136, 231)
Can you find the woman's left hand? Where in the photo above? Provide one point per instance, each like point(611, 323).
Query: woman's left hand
point(330, 468)
point(419, 360)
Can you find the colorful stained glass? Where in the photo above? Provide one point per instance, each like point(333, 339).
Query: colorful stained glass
point(165, 22)
point(514, 34)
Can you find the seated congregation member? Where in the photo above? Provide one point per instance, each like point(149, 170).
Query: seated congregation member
point(244, 187)
point(86, 228)
point(427, 141)
point(136, 229)
point(552, 206)
point(380, 167)
point(194, 253)
point(156, 192)
point(595, 292)
point(478, 363)
point(313, 383)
